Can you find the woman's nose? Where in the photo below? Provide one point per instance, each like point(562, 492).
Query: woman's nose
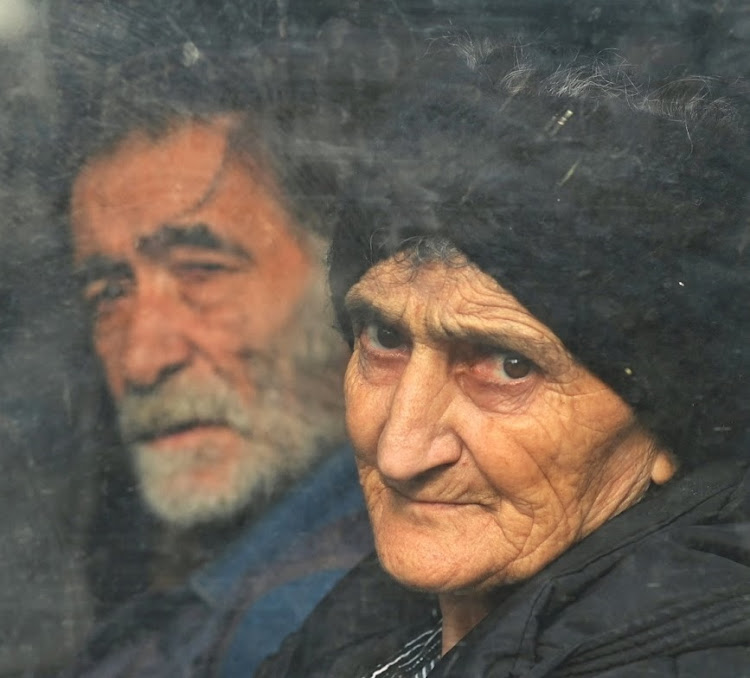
point(418, 435)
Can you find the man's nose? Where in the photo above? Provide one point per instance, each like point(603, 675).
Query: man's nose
point(157, 344)
point(419, 435)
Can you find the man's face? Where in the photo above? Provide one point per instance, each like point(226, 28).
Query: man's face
point(201, 293)
point(484, 449)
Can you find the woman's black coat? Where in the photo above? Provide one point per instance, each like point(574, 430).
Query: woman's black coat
point(661, 590)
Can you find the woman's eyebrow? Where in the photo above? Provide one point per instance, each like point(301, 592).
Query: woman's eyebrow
point(544, 353)
point(547, 354)
point(362, 311)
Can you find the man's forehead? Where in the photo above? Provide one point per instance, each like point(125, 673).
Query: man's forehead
point(183, 158)
point(185, 178)
point(199, 133)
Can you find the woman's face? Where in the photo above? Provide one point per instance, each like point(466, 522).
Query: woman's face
point(484, 449)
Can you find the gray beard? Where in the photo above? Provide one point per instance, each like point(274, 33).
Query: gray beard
point(296, 418)
point(284, 449)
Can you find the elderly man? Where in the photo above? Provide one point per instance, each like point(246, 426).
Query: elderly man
point(210, 319)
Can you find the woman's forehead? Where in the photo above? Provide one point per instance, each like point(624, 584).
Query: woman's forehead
point(452, 301)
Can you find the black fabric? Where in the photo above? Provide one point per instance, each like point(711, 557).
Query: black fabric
point(616, 213)
point(415, 659)
point(661, 590)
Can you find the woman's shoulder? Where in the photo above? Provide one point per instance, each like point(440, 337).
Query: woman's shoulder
point(665, 584)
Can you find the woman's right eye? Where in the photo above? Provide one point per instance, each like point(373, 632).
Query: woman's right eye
point(381, 337)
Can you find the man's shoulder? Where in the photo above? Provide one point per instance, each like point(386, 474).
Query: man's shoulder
point(286, 564)
point(272, 603)
point(239, 607)
point(306, 522)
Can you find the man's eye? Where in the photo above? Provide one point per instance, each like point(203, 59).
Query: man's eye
point(205, 267)
point(382, 337)
point(99, 294)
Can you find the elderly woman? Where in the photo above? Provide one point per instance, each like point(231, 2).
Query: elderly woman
point(544, 278)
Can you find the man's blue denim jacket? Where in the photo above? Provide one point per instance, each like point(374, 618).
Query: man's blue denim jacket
point(237, 610)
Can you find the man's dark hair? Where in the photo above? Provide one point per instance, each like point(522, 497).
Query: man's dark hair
point(155, 93)
point(296, 102)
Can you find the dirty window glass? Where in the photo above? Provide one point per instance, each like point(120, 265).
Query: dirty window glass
point(177, 471)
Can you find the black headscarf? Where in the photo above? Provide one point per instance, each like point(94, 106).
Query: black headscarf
point(617, 214)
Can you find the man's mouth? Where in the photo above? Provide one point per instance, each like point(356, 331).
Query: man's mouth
point(180, 431)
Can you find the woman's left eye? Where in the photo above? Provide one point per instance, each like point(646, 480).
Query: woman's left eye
point(382, 337)
point(502, 367)
point(515, 366)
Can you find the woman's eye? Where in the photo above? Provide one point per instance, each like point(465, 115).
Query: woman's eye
point(382, 337)
point(498, 367)
point(516, 366)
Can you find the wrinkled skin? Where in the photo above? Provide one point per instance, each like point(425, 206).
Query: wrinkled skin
point(203, 295)
point(484, 449)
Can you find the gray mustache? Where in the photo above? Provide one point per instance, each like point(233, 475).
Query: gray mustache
point(145, 416)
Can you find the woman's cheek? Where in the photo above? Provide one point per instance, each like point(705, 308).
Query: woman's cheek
point(364, 416)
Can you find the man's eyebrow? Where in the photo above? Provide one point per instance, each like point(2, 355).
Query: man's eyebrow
point(98, 267)
point(199, 235)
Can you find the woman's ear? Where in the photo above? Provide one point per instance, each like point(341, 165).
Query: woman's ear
point(664, 467)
